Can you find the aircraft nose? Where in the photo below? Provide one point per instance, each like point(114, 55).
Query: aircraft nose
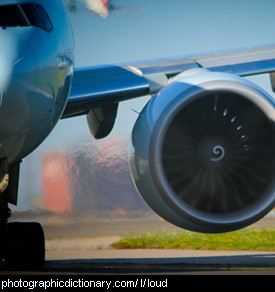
point(17, 61)
point(3, 76)
point(8, 54)
point(17, 72)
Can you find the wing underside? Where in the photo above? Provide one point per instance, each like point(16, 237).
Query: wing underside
point(99, 86)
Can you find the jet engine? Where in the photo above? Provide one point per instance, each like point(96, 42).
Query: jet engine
point(202, 152)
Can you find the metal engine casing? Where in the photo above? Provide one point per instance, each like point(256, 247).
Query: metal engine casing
point(232, 183)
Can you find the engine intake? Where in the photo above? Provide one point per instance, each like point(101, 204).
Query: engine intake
point(202, 152)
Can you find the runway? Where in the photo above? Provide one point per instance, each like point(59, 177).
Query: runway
point(207, 264)
point(94, 257)
point(167, 262)
point(73, 249)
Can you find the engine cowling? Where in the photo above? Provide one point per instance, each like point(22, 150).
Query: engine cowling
point(202, 152)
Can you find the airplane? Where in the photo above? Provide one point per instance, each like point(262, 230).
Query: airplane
point(201, 151)
point(102, 8)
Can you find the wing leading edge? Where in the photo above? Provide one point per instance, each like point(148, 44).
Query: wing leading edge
point(99, 86)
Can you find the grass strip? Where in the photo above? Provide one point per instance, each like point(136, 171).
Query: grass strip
point(245, 239)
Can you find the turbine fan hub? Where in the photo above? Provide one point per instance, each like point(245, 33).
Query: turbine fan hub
point(212, 153)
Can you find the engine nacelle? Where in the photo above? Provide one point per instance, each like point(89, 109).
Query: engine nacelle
point(203, 152)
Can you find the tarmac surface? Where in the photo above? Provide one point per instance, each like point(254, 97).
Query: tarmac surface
point(95, 257)
point(73, 249)
point(100, 258)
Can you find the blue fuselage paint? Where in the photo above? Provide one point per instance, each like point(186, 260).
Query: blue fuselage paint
point(36, 69)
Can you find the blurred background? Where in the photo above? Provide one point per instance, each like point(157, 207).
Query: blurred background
point(71, 178)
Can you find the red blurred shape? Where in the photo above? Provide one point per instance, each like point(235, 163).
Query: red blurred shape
point(105, 3)
point(56, 182)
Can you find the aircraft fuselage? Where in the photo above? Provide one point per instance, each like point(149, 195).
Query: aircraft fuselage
point(36, 68)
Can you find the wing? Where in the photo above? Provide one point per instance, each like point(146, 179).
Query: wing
point(98, 90)
point(109, 84)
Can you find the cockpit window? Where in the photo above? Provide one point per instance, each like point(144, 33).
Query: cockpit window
point(37, 16)
point(10, 15)
point(45, 18)
point(32, 15)
point(25, 15)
